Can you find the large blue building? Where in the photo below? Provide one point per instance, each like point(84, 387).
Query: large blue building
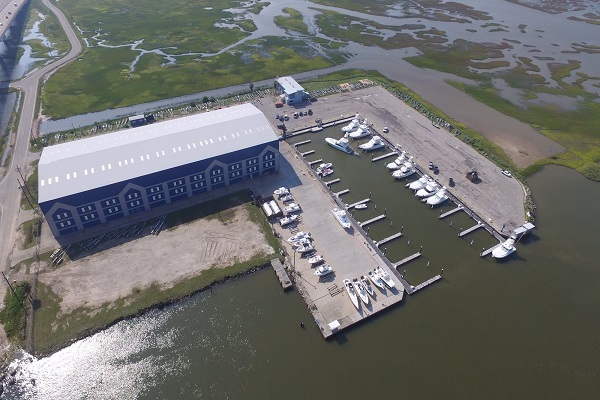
point(91, 181)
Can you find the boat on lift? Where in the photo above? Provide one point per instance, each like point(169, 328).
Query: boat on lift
point(299, 236)
point(282, 191)
point(323, 270)
point(342, 218)
point(304, 248)
point(288, 220)
point(315, 260)
point(292, 207)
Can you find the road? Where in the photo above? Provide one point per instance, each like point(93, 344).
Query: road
point(8, 10)
point(10, 194)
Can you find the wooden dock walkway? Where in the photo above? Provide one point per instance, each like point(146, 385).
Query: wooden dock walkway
point(311, 163)
point(389, 239)
point(407, 259)
point(331, 182)
point(307, 153)
point(301, 143)
point(471, 229)
point(370, 221)
point(426, 283)
point(447, 213)
point(284, 279)
point(349, 206)
point(488, 251)
point(393, 153)
point(341, 192)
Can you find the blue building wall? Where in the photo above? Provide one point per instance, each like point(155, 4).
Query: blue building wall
point(111, 202)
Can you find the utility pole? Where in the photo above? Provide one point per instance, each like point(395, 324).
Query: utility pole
point(10, 286)
point(24, 185)
point(28, 201)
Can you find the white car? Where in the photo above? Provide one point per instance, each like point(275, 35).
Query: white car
point(506, 173)
point(385, 129)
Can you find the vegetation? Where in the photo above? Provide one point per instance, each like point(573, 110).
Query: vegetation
point(293, 22)
point(50, 28)
point(13, 314)
point(32, 184)
point(31, 232)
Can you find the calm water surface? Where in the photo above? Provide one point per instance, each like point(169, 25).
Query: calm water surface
point(525, 328)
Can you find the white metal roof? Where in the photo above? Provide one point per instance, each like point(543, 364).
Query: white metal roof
point(289, 84)
point(74, 167)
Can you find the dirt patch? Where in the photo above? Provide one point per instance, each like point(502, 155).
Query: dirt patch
point(175, 255)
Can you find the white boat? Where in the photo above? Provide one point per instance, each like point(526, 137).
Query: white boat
point(429, 190)
point(304, 248)
point(326, 172)
point(419, 183)
point(323, 270)
point(361, 206)
point(301, 242)
point(398, 162)
point(342, 217)
point(376, 279)
point(505, 249)
point(353, 125)
point(282, 191)
point(288, 220)
point(373, 144)
point(362, 131)
point(314, 260)
point(405, 170)
point(286, 198)
point(327, 165)
point(367, 285)
point(385, 277)
point(361, 291)
point(267, 209)
point(274, 207)
point(298, 236)
point(351, 293)
point(341, 144)
point(292, 207)
point(438, 198)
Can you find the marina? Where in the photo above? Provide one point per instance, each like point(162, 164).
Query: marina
point(407, 259)
point(393, 153)
point(353, 205)
point(374, 219)
point(471, 229)
point(388, 239)
point(342, 192)
point(448, 213)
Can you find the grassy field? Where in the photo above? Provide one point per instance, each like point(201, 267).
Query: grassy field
point(30, 233)
point(12, 315)
point(292, 22)
point(49, 27)
point(53, 330)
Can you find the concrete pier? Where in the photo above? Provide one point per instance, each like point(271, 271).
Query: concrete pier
point(370, 221)
point(471, 229)
point(301, 143)
point(341, 192)
point(311, 163)
point(426, 283)
point(447, 213)
point(331, 182)
point(389, 239)
point(307, 153)
point(363, 201)
point(393, 153)
point(407, 259)
point(284, 279)
point(488, 251)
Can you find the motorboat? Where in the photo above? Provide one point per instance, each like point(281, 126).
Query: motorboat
point(288, 220)
point(438, 198)
point(385, 277)
point(323, 270)
point(282, 191)
point(316, 259)
point(429, 190)
point(342, 218)
point(325, 166)
point(301, 242)
point(373, 144)
point(304, 248)
point(341, 144)
point(419, 183)
point(367, 285)
point(362, 131)
point(353, 125)
point(398, 162)
point(376, 279)
point(298, 236)
point(361, 206)
point(352, 293)
point(505, 249)
point(361, 291)
point(326, 172)
point(286, 198)
point(292, 207)
point(407, 169)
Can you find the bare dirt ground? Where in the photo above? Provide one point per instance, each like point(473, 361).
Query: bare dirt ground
point(175, 255)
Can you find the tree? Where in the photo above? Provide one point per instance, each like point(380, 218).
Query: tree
point(251, 87)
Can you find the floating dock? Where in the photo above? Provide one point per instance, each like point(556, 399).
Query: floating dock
point(488, 251)
point(311, 163)
point(341, 192)
point(363, 201)
point(281, 273)
point(370, 221)
point(407, 259)
point(331, 182)
point(307, 153)
point(393, 153)
point(447, 213)
point(471, 229)
point(426, 283)
point(389, 239)
point(301, 143)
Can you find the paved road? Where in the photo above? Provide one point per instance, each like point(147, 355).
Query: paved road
point(10, 195)
point(8, 10)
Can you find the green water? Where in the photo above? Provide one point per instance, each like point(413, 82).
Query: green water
point(526, 328)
